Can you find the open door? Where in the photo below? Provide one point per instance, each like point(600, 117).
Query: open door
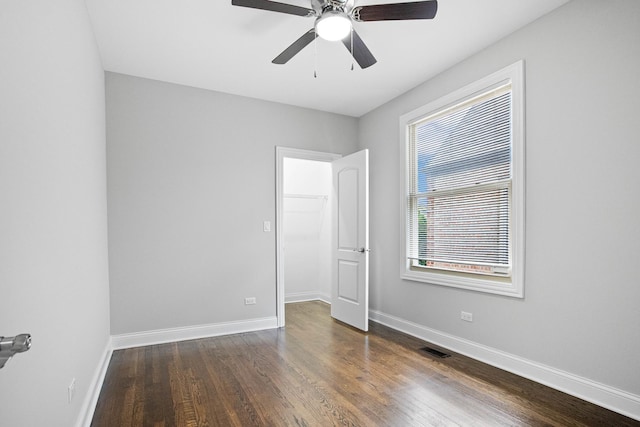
point(350, 284)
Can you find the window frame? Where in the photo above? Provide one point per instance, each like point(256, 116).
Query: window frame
point(514, 284)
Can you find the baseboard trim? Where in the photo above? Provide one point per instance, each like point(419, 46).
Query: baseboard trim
point(161, 336)
point(93, 391)
point(617, 400)
point(306, 296)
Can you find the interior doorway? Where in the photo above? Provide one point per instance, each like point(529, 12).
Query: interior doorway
point(306, 230)
point(303, 225)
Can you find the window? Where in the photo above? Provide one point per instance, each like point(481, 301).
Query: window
point(463, 192)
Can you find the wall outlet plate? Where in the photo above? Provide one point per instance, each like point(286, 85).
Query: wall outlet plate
point(467, 317)
point(250, 301)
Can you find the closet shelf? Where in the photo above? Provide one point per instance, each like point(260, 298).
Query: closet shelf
point(305, 196)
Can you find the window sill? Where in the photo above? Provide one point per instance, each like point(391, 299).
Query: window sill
point(487, 284)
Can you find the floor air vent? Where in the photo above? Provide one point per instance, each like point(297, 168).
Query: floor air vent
point(434, 352)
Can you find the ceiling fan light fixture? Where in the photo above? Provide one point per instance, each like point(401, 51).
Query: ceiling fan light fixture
point(333, 25)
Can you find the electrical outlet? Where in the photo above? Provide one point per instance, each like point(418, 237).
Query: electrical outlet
point(71, 390)
point(250, 301)
point(467, 317)
point(266, 226)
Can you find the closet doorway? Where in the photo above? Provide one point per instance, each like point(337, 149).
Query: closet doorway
point(303, 224)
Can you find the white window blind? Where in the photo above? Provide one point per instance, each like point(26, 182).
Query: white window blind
point(460, 181)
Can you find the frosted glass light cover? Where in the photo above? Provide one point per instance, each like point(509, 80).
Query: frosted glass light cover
point(333, 25)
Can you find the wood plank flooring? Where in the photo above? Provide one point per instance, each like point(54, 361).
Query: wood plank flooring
point(319, 372)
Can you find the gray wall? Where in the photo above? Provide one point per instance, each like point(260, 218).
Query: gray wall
point(191, 178)
point(53, 210)
point(581, 311)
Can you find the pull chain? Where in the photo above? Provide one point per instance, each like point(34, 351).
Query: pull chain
point(315, 55)
point(351, 34)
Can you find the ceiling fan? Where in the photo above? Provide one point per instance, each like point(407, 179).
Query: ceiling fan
point(334, 21)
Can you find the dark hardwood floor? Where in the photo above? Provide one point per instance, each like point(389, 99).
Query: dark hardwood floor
point(318, 372)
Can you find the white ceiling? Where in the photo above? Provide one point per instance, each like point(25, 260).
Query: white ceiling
point(213, 45)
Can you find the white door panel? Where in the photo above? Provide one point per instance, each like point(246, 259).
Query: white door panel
point(348, 280)
point(350, 287)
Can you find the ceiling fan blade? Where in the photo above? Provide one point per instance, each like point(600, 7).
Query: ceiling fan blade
point(361, 52)
point(396, 11)
point(295, 47)
point(274, 7)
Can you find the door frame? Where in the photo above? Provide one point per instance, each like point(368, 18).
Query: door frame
point(281, 154)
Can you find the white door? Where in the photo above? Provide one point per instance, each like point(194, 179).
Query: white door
point(350, 284)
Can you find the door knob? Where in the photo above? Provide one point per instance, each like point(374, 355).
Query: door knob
point(12, 345)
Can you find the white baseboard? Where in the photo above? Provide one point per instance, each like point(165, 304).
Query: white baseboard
point(307, 296)
point(620, 401)
point(93, 392)
point(161, 336)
